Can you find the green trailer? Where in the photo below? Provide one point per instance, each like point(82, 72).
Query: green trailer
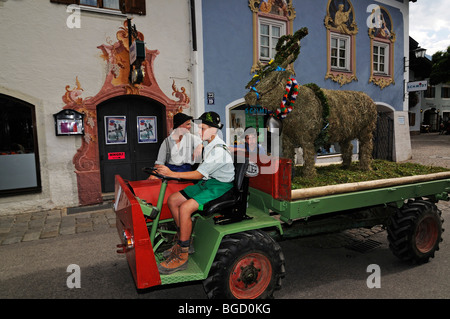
point(237, 254)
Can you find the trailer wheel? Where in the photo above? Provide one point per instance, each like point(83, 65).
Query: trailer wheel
point(415, 231)
point(248, 265)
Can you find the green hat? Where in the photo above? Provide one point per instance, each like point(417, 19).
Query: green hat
point(211, 119)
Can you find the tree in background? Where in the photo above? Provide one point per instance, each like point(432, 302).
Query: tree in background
point(440, 70)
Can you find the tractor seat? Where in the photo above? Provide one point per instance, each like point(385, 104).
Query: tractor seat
point(232, 205)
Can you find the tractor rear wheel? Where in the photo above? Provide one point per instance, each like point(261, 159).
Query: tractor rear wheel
point(415, 231)
point(248, 265)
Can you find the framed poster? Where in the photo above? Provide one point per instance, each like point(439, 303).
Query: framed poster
point(115, 129)
point(147, 129)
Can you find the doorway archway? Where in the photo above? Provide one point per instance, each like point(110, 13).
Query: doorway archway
point(130, 131)
point(87, 158)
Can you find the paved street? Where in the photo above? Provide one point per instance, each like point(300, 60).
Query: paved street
point(431, 149)
point(37, 248)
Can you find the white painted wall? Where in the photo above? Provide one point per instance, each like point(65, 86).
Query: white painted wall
point(40, 55)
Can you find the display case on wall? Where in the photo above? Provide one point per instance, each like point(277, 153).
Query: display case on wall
point(69, 122)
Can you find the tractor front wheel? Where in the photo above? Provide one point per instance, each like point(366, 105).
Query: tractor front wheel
point(415, 231)
point(248, 265)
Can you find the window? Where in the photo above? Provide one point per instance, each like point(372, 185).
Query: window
point(19, 155)
point(269, 33)
point(446, 116)
point(430, 93)
point(270, 20)
point(380, 58)
point(124, 6)
point(341, 42)
point(339, 55)
point(445, 92)
point(382, 39)
point(107, 4)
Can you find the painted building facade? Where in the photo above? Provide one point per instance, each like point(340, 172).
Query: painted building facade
point(373, 34)
point(199, 56)
point(64, 56)
point(432, 109)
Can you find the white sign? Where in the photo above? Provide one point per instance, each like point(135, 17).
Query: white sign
point(417, 86)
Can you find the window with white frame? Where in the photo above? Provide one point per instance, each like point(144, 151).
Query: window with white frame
point(269, 33)
point(380, 58)
point(339, 52)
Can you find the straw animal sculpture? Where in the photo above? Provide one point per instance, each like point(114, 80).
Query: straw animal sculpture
point(346, 115)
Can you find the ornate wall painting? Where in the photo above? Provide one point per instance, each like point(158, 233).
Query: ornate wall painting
point(341, 17)
point(381, 33)
point(277, 7)
point(281, 10)
point(340, 23)
point(73, 95)
point(116, 57)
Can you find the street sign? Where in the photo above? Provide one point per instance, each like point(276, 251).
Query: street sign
point(210, 97)
point(417, 86)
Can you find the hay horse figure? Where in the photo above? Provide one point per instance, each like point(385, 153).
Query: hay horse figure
point(310, 112)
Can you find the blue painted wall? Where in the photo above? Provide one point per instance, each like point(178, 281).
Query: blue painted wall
point(227, 41)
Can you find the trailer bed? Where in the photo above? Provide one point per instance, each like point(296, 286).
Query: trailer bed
point(273, 193)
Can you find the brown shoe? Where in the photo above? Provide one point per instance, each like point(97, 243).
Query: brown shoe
point(166, 253)
point(178, 260)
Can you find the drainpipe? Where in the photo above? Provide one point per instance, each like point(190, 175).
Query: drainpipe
point(197, 58)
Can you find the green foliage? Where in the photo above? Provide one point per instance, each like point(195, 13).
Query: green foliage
point(335, 174)
point(440, 71)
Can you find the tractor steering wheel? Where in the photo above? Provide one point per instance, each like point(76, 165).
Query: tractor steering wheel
point(152, 171)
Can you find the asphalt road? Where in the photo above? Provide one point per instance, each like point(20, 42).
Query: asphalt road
point(316, 267)
point(319, 267)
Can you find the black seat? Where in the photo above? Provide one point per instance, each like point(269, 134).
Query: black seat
point(232, 206)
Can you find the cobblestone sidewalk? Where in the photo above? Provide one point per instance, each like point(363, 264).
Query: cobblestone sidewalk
point(48, 224)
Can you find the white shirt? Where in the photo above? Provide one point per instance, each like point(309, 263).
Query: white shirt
point(217, 162)
point(178, 154)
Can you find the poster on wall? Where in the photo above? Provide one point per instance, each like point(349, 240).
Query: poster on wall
point(115, 127)
point(147, 129)
point(69, 127)
point(238, 126)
